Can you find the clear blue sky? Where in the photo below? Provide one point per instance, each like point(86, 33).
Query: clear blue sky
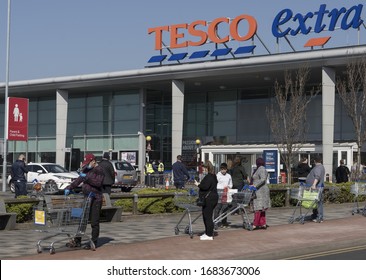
point(52, 38)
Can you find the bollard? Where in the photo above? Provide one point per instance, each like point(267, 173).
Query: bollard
point(167, 185)
point(287, 197)
point(134, 206)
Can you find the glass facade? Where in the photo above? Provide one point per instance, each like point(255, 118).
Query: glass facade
point(239, 117)
point(110, 120)
point(159, 125)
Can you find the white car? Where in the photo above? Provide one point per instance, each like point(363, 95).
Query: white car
point(53, 177)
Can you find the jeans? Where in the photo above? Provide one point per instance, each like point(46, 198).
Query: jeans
point(179, 184)
point(320, 206)
point(220, 209)
point(20, 188)
point(94, 218)
point(95, 209)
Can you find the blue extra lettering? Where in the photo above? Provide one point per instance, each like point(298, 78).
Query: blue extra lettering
point(347, 19)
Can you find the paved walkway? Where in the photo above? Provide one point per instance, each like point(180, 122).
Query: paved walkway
point(153, 237)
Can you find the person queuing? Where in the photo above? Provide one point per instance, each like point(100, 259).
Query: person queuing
point(149, 171)
point(224, 183)
point(18, 176)
point(342, 172)
point(208, 191)
point(91, 177)
point(180, 173)
point(161, 171)
point(262, 200)
point(109, 174)
point(303, 169)
point(238, 174)
point(315, 180)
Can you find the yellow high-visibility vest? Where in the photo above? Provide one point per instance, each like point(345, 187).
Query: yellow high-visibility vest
point(161, 167)
point(149, 168)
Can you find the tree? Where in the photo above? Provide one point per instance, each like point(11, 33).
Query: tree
point(287, 115)
point(352, 91)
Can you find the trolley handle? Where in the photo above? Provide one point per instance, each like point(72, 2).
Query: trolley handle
point(319, 186)
point(249, 187)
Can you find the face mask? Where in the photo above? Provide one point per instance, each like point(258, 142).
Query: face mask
point(89, 166)
point(205, 172)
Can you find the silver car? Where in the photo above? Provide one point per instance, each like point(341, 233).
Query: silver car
point(125, 175)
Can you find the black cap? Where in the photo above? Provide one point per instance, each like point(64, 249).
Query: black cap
point(106, 155)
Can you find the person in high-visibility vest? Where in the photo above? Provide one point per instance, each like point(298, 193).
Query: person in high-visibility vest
point(161, 171)
point(149, 170)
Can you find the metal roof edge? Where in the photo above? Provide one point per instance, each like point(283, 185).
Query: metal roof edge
point(173, 71)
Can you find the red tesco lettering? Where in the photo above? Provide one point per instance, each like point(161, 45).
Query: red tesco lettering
point(177, 32)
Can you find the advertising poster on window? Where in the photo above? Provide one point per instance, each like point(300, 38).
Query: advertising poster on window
point(17, 119)
point(130, 156)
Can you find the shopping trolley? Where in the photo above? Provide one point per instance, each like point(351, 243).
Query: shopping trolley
point(358, 189)
point(187, 201)
point(239, 202)
point(307, 198)
point(69, 219)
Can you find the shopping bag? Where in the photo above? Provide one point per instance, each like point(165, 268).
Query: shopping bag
point(230, 194)
point(310, 199)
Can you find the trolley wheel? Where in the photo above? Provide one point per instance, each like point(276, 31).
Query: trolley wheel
point(302, 221)
point(291, 220)
point(191, 235)
point(248, 226)
point(353, 212)
point(52, 251)
point(39, 249)
point(176, 231)
point(186, 230)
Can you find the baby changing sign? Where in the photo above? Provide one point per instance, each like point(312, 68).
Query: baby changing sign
point(17, 119)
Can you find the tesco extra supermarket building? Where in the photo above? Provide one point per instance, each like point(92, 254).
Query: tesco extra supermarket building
point(214, 87)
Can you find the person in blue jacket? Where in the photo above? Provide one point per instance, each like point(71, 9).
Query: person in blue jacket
point(180, 173)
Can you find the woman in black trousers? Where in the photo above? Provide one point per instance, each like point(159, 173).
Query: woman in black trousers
point(208, 190)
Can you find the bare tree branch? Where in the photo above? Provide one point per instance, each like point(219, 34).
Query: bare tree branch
point(352, 91)
point(287, 115)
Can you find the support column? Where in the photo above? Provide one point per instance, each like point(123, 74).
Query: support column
point(142, 138)
point(177, 118)
point(328, 104)
point(62, 99)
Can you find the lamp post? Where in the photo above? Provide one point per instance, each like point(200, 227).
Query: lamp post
point(148, 147)
point(6, 97)
point(198, 155)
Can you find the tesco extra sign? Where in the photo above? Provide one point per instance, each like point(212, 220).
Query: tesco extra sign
point(285, 23)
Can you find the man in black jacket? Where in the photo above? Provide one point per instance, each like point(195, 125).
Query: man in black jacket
point(109, 174)
point(342, 172)
point(18, 171)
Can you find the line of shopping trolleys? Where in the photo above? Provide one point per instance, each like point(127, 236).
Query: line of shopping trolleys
point(239, 202)
point(306, 200)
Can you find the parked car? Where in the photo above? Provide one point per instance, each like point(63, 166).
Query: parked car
point(53, 177)
point(126, 175)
